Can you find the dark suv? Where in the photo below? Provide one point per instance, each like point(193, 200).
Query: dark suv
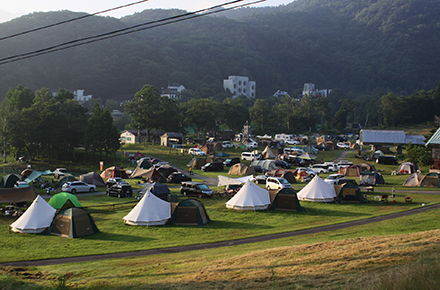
point(191, 188)
point(231, 161)
point(387, 160)
point(120, 190)
point(213, 166)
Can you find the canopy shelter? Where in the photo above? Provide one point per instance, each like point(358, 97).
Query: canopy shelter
point(317, 190)
point(64, 200)
point(149, 211)
point(72, 223)
point(224, 180)
point(284, 199)
point(35, 174)
point(17, 194)
point(92, 178)
point(36, 219)
point(189, 212)
point(9, 180)
point(249, 197)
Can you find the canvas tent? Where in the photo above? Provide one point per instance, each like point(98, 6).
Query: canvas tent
point(413, 180)
point(249, 197)
point(286, 174)
point(370, 178)
point(284, 199)
point(317, 190)
point(150, 211)
point(36, 219)
point(352, 170)
point(266, 164)
point(72, 223)
point(16, 195)
point(268, 153)
point(430, 180)
point(150, 174)
point(366, 166)
point(196, 163)
point(407, 168)
point(92, 178)
point(9, 180)
point(114, 171)
point(348, 192)
point(189, 212)
point(64, 200)
point(158, 189)
point(241, 169)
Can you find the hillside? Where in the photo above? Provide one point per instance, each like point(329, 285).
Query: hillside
point(361, 47)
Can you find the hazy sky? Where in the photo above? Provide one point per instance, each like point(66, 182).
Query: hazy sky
point(15, 8)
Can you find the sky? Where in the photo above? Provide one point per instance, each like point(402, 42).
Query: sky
point(16, 8)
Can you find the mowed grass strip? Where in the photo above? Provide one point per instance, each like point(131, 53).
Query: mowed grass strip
point(364, 257)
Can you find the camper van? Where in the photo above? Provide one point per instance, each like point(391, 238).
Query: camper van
point(250, 156)
point(286, 138)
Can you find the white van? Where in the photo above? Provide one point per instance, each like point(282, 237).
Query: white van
point(277, 183)
point(283, 137)
point(250, 156)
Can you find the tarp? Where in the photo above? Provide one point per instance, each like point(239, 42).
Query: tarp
point(9, 180)
point(92, 178)
point(21, 194)
point(150, 211)
point(35, 174)
point(36, 219)
point(249, 197)
point(317, 190)
point(64, 200)
point(224, 180)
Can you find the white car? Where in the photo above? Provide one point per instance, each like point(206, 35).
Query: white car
point(78, 186)
point(320, 168)
point(291, 142)
point(333, 178)
point(332, 167)
point(342, 145)
point(307, 170)
point(196, 151)
point(277, 183)
point(251, 144)
point(227, 144)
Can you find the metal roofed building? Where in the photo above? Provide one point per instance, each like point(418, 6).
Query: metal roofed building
point(388, 137)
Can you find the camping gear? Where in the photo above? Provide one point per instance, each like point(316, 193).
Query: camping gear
point(72, 223)
point(92, 178)
point(158, 189)
point(64, 200)
point(36, 219)
point(249, 197)
point(114, 171)
point(189, 212)
point(430, 180)
point(348, 192)
point(317, 190)
point(150, 211)
point(284, 199)
point(16, 194)
point(9, 180)
point(241, 169)
point(413, 180)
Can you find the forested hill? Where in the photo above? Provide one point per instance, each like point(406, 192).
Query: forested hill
point(360, 47)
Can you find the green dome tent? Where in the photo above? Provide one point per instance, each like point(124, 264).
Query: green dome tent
point(284, 199)
point(73, 223)
point(64, 200)
point(189, 212)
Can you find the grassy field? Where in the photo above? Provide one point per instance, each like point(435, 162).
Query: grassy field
point(339, 259)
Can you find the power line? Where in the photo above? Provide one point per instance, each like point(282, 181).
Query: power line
point(124, 31)
point(71, 20)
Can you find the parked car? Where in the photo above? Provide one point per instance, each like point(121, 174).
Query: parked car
point(231, 161)
point(387, 160)
point(250, 156)
point(260, 179)
point(343, 163)
point(282, 164)
point(342, 145)
point(320, 168)
point(332, 167)
point(259, 169)
point(114, 180)
point(311, 173)
point(227, 144)
point(120, 190)
point(196, 151)
point(333, 178)
point(78, 186)
point(277, 183)
point(199, 189)
point(291, 142)
point(178, 177)
point(213, 166)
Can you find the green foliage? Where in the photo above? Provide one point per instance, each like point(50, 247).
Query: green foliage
point(418, 154)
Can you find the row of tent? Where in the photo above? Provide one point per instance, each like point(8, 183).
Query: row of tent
point(428, 180)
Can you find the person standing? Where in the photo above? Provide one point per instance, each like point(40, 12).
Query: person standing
point(190, 170)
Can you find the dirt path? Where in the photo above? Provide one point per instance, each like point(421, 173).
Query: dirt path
point(220, 244)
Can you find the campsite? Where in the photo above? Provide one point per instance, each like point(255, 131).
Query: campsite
point(225, 224)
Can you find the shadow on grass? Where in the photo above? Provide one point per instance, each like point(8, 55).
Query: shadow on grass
point(104, 236)
point(218, 224)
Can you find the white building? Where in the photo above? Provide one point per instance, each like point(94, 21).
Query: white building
point(238, 85)
point(79, 96)
point(172, 91)
point(309, 89)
